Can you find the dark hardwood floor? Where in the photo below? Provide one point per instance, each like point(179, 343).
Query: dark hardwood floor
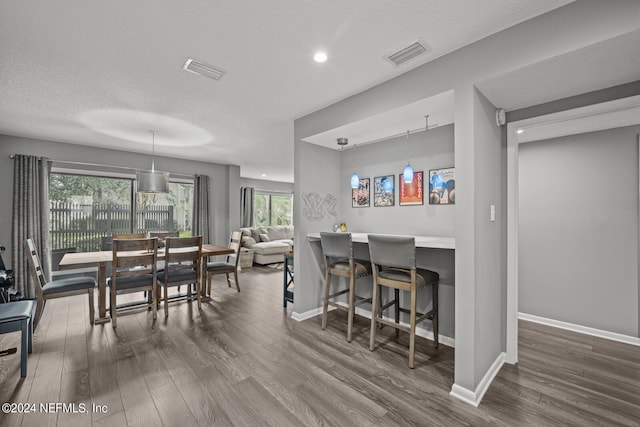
point(243, 361)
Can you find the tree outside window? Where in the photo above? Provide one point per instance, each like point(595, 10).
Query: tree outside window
point(272, 209)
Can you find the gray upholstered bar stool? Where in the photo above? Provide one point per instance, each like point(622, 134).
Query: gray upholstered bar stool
point(337, 249)
point(394, 265)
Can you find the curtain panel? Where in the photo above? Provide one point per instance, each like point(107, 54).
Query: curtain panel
point(201, 207)
point(30, 219)
point(246, 206)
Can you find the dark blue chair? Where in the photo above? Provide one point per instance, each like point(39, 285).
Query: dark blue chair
point(18, 316)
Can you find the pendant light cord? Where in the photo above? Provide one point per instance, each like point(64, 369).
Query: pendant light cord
point(153, 150)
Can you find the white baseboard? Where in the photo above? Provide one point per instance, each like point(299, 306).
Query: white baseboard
point(581, 329)
point(306, 315)
point(474, 397)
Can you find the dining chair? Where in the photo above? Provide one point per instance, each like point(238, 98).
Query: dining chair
point(133, 270)
point(106, 242)
point(228, 266)
point(59, 288)
point(337, 249)
point(182, 266)
point(18, 316)
point(394, 265)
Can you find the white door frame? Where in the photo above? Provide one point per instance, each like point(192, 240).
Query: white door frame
point(592, 118)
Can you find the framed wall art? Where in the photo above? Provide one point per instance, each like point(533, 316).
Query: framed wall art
point(442, 186)
point(384, 190)
point(411, 193)
point(360, 196)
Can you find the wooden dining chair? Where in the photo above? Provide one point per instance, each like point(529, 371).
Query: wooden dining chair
point(182, 266)
point(229, 266)
point(106, 242)
point(394, 265)
point(133, 270)
point(17, 316)
point(46, 290)
point(337, 249)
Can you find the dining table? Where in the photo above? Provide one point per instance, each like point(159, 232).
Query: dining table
point(101, 259)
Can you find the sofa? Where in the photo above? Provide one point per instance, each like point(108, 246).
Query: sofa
point(269, 243)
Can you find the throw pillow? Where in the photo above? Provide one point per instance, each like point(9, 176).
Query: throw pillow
point(264, 238)
point(248, 242)
point(255, 234)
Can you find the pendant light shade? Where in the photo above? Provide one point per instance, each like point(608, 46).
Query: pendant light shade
point(152, 181)
point(355, 180)
point(407, 174)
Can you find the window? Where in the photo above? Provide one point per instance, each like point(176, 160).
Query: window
point(86, 208)
point(272, 209)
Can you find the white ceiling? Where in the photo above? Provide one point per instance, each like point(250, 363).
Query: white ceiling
point(103, 73)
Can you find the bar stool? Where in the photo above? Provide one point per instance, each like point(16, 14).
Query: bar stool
point(394, 265)
point(337, 249)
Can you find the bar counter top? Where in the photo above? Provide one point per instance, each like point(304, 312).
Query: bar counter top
point(421, 241)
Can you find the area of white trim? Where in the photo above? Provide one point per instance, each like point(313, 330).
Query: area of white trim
point(306, 315)
point(614, 336)
point(475, 397)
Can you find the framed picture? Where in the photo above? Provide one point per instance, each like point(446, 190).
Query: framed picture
point(360, 196)
point(411, 193)
point(384, 190)
point(442, 186)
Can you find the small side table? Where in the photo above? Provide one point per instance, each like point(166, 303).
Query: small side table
point(288, 279)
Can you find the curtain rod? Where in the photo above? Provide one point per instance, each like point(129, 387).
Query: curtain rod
point(68, 162)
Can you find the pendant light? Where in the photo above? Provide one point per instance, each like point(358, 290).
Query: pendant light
point(152, 181)
point(407, 174)
point(355, 179)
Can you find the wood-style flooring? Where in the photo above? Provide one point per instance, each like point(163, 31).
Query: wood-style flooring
point(243, 361)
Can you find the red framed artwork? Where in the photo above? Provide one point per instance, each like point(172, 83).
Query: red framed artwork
point(412, 193)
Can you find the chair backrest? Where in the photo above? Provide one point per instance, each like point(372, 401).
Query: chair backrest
point(106, 242)
point(183, 253)
point(36, 267)
point(163, 234)
point(336, 245)
point(134, 257)
point(235, 242)
point(393, 251)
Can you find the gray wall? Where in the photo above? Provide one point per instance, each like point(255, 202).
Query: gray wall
point(578, 229)
point(574, 26)
point(225, 179)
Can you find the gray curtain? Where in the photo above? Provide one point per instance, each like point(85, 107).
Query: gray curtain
point(246, 206)
point(30, 218)
point(201, 207)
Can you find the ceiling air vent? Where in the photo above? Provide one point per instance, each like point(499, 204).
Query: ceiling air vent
point(413, 50)
point(203, 69)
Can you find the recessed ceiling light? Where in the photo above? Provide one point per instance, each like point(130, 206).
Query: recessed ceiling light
point(264, 175)
point(320, 57)
point(519, 131)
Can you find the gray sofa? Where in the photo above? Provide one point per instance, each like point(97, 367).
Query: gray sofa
point(269, 243)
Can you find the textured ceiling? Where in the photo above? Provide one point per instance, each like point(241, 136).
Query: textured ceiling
point(103, 73)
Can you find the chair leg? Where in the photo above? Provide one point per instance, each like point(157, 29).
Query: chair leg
point(412, 327)
point(30, 339)
point(228, 281)
point(352, 293)
point(209, 279)
point(397, 309)
point(39, 310)
point(435, 314)
point(24, 347)
point(112, 307)
point(154, 302)
point(325, 306)
point(166, 301)
point(235, 275)
point(198, 293)
point(92, 313)
point(375, 306)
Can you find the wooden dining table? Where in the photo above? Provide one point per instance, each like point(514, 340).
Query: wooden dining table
point(101, 259)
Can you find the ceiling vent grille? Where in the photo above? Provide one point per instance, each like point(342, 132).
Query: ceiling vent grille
point(203, 69)
point(406, 54)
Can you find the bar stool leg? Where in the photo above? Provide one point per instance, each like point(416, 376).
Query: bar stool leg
point(412, 328)
point(435, 313)
point(375, 305)
point(397, 309)
point(325, 307)
point(352, 293)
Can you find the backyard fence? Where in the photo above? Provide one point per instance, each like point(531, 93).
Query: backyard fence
point(81, 226)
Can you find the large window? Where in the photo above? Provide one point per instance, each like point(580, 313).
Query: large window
point(86, 208)
point(272, 209)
